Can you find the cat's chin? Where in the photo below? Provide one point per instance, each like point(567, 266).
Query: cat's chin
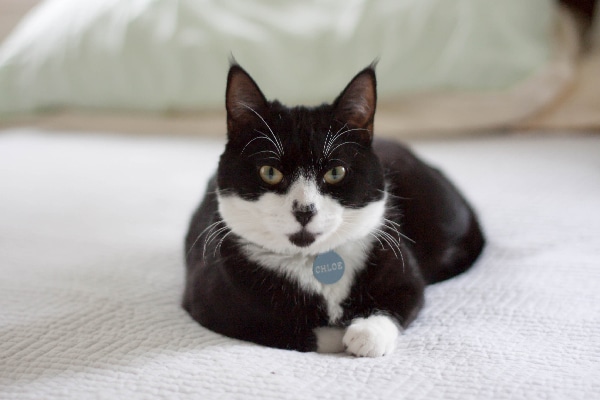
point(308, 244)
point(302, 238)
point(301, 249)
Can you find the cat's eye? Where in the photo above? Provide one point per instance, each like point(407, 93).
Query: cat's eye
point(335, 175)
point(270, 175)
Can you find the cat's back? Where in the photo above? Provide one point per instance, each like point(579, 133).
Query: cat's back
point(443, 227)
point(395, 156)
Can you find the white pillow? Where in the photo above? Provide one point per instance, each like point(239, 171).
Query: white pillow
point(160, 55)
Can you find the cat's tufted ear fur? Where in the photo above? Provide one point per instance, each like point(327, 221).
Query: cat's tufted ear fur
point(243, 98)
point(356, 104)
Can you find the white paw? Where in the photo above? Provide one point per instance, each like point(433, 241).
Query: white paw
point(374, 336)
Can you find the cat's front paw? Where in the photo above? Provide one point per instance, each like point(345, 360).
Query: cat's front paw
point(374, 336)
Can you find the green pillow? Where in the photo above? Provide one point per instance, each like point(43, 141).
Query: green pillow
point(161, 55)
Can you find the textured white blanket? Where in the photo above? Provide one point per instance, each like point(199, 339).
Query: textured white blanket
point(91, 274)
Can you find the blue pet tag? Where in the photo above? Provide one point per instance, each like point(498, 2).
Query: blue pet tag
point(328, 267)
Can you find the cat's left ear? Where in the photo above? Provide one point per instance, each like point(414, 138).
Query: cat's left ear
point(243, 99)
point(355, 106)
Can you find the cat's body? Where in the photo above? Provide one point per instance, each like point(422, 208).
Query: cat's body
point(296, 183)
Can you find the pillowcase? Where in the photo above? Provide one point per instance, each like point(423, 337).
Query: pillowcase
point(162, 55)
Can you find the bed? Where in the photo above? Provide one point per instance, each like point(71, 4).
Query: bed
point(91, 256)
point(94, 210)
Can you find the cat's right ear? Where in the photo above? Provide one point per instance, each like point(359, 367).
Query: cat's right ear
point(243, 98)
point(355, 106)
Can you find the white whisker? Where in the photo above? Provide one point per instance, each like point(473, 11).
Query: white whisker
point(341, 144)
point(377, 238)
point(326, 138)
point(218, 247)
point(330, 149)
point(277, 141)
point(212, 237)
point(395, 227)
point(332, 140)
point(211, 227)
point(276, 157)
point(386, 237)
point(264, 137)
point(393, 243)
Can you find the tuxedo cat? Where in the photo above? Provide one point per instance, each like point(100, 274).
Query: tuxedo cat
point(305, 193)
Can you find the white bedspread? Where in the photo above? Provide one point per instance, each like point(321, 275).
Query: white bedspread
point(91, 275)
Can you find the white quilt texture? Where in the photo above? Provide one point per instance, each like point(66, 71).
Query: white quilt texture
point(91, 275)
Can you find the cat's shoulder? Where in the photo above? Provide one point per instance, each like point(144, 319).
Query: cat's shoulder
point(392, 153)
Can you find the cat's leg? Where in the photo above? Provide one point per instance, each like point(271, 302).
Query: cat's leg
point(386, 299)
point(374, 336)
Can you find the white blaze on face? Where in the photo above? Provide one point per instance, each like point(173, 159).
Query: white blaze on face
point(269, 221)
point(304, 191)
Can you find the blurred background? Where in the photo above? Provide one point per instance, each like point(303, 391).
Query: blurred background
point(159, 66)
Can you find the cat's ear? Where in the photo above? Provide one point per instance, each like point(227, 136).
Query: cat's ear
point(355, 106)
point(243, 98)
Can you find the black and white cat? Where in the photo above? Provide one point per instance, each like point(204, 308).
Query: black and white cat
point(297, 184)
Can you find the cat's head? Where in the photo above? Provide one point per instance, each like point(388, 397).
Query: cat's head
point(300, 180)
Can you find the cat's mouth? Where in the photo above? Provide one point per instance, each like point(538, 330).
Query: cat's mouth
point(303, 238)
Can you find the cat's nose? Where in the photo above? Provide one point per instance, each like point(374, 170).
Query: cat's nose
point(304, 214)
point(304, 217)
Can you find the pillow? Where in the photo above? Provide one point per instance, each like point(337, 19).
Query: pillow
point(161, 55)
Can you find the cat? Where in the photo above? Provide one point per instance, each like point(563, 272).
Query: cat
point(304, 194)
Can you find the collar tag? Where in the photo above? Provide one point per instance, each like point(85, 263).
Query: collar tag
point(328, 268)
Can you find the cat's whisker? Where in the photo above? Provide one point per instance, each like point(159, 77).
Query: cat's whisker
point(326, 138)
point(210, 234)
point(218, 247)
point(330, 150)
point(386, 237)
point(276, 157)
point(332, 140)
point(342, 144)
point(394, 245)
point(263, 137)
point(396, 240)
point(377, 238)
point(212, 237)
point(342, 128)
point(403, 263)
point(210, 227)
point(275, 142)
point(327, 144)
point(279, 145)
point(337, 136)
point(396, 228)
point(388, 192)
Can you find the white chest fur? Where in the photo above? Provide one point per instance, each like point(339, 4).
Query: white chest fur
point(299, 268)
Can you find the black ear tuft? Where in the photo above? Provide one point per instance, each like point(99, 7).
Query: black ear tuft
point(356, 104)
point(243, 97)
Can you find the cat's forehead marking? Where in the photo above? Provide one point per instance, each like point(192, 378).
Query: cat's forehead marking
point(304, 191)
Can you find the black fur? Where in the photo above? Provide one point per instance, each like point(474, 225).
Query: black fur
point(231, 295)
